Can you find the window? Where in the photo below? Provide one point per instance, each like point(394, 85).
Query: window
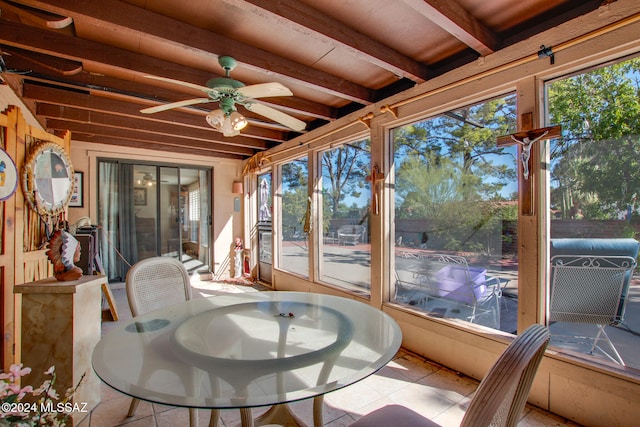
point(455, 249)
point(194, 205)
point(295, 220)
point(194, 214)
point(595, 188)
point(345, 217)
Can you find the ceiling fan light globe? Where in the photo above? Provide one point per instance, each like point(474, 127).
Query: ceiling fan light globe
point(227, 129)
point(238, 121)
point(216, 119)
point(233, 132)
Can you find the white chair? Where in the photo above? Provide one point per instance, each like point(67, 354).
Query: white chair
point(450, 278)
point(500, 397)
point(589, 289)
point(351, 234)
point(154, 283)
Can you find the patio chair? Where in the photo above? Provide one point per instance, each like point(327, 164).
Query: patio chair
point(500, 397)
point(154, 283)
point(411, 284)
point(449, 277)
point(602, 247)
point(350, 234)
point(589, 289)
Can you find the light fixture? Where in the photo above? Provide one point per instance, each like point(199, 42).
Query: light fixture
point(226, 119)
point(236, 188)
point(147, 179)
point(216, 119)
point(238, 121)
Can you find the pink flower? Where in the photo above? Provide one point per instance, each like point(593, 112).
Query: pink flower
point(15, 372)
point(52, 393)
point(45, 386)
point(23, 391)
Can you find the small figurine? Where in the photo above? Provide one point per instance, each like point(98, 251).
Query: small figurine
point(238, 248)
point(64, 252)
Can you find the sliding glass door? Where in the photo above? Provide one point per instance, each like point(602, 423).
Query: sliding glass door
point(154, 210)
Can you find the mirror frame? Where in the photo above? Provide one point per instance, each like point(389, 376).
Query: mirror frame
point(32, 195)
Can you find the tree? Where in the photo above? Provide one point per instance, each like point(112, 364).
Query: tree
point(294, 197)
point(344, 171)
point(595, 164)
point(466, 137)
point(450, 174)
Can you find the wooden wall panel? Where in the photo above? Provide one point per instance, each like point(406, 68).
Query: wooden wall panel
point(22, 255)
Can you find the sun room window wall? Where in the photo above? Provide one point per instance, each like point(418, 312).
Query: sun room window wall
point(594, 192)
point(295, 217)
point(455, 228)
point(345, 248)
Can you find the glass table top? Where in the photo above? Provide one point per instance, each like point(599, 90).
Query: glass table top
point(245, 350)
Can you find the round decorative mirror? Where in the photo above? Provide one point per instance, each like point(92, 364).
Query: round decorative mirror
point(47, 179)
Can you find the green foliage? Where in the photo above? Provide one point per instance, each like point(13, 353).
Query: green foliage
point(451, 174)
point(294, 198)
point(344, 172)
point(596, 164)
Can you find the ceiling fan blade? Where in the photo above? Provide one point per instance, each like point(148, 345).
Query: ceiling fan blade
point(184, 103)
point(181, 83)
point(264, 90)
point(278, 116)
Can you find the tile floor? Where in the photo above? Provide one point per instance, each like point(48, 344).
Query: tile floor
point(433, 390)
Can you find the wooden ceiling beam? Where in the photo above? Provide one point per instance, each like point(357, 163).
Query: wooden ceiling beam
point(87, 52)
point(258, 128)
point(198, 129)
point(135, 135)
point(66, 73)
point(42, 20)
point(139, 23)
point(51, 111)
point(132, 143)
point(299, 16)
point(454, 19)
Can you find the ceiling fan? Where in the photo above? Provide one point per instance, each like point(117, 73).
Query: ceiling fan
point(229, 92)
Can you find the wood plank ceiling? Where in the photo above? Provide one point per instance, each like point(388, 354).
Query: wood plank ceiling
point(80, 65)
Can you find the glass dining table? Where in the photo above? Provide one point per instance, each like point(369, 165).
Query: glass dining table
point(240, 351)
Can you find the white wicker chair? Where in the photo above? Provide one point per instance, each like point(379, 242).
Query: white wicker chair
point(500, 397)
point(154, 283)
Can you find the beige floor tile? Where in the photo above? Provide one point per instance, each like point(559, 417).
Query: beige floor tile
point(451, 385)
point(113, 412)
point(451, 417)
point(423, 399)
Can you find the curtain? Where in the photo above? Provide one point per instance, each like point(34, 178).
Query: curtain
point(127, 219)
point(118, 245)
point(108, 217)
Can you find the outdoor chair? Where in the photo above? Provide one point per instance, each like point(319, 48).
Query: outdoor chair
point(590, 280)
point(500, 397)
point(588, 289)
point(154, 283)
point(350, 234)
point(428, 276)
